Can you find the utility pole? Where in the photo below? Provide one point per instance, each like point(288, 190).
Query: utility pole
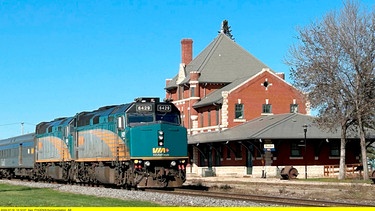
point(22, 123)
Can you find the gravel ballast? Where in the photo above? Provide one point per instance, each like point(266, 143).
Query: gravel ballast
point(160, 198)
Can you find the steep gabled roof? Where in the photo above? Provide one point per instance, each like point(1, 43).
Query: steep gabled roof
point(216, 96)
point(222, 61)
point(280, 126)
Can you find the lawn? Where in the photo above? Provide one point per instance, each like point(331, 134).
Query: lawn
point(22, 196)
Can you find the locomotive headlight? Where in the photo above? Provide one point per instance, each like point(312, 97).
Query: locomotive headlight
point(173, 163)
point(135, 161)
point(161, 138)
point(147, 163)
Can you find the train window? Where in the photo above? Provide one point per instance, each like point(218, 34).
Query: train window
point(134, 118)
point(168, 117)
point(95, 120)
point(120, 123)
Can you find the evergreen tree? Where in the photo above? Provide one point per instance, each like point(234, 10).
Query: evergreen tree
point(225, 29)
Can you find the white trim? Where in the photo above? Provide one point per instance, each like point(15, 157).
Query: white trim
point(259, 73)
point(266, 114)
point(209, 128)
point(182, 101)
point(295, 158)
point(239, 120)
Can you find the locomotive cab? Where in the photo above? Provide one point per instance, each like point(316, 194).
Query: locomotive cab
point(157, 143)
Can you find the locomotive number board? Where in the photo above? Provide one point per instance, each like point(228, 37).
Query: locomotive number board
point(144, 107)
point(164, 108)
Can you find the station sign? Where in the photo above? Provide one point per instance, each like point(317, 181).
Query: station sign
point(269, 147)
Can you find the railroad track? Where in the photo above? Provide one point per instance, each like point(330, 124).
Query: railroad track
point(203, 191)
point(263, 198)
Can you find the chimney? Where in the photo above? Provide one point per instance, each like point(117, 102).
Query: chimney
point(281, 75)
point(186, 51)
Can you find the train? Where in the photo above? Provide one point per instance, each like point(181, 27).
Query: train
point(137, 145)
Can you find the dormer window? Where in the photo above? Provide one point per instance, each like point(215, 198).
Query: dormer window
point(239, 111)
point(267, 108)
point(293, 108)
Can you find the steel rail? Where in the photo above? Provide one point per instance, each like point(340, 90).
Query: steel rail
point(276, 200)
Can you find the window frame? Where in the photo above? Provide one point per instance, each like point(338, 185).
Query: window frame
point(294, 108)
point(239, 111)
point(267, 108)
point(295, 150)
point(334, 149)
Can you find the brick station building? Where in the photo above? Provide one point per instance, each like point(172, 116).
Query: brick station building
point(243, 118)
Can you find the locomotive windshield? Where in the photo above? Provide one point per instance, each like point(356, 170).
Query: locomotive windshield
point(140, 118)
point(147, 112)
point(168, 117)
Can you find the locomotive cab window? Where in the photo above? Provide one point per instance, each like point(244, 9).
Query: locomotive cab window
point(136, 118)
point(168, 117)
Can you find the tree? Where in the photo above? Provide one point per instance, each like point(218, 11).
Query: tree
point(334, 63)
point(225, 29)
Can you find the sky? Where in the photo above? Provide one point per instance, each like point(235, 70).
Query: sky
point(59, 58)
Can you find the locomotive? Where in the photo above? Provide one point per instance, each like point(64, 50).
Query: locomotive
point(136, 145)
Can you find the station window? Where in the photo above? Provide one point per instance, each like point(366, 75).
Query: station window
point(201, 119)
point(180, 92)
point(209, 118)
point(228, 153)
point(239, 111)
point(267, 108)
point(334, 149)
point(192, 92)
point(293, 108)
point(238, 150)
point(295, 150)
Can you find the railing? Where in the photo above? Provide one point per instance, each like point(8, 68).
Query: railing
point(351, 170)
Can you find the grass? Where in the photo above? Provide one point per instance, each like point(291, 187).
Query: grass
point(335, 180)
point(22, 196)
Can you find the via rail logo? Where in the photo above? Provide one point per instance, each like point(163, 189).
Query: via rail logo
point(160, 151)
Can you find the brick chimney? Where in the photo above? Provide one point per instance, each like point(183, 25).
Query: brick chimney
point(281, 75)
point(186, 51)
